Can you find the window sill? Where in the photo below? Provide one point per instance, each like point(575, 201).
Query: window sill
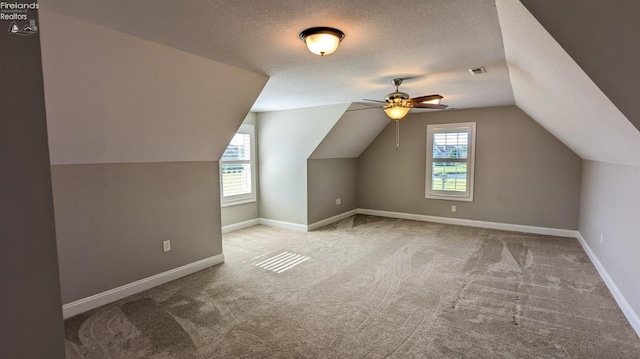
point(237, 202)
point(450, 198)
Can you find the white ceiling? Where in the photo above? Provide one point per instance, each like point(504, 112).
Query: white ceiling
point(433, 41)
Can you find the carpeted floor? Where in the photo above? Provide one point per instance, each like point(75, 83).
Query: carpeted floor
point(371, 287)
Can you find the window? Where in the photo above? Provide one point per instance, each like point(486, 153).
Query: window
point(237, 169)
point(450, 161)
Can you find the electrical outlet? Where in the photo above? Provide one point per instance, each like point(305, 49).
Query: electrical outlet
point(601, 238)
point(166, 246)
point(453, 208)
point(338, 200)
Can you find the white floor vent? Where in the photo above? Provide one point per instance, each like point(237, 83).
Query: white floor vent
point(281, 262)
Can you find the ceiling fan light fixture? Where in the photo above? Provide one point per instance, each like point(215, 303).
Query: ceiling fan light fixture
point(396, 112)
point(322, 40)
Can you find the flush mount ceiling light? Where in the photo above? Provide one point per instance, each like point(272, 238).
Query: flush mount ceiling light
point(322, 40)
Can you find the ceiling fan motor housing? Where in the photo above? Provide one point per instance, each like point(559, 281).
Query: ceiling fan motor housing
point(398, 99)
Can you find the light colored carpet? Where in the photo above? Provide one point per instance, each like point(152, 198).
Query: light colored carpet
point(371, 287)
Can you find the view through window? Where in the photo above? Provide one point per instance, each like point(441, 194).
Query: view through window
point(450, 150)
point(237, 168)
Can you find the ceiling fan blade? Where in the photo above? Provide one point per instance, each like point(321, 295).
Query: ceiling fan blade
point(420, 99)
point(364, 99)
point(430, 105)
point(364, 108)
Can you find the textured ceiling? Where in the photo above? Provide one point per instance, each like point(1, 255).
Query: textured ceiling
point(434, 42)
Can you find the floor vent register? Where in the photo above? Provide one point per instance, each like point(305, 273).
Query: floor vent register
point(281, 262)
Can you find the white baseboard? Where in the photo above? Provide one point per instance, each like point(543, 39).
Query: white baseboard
point(240, 225)
point(473, 223)
point(288, 225)
point(333, 219)
point(416, 217)
point(282, 224)
point(632, 317)
point(97, 300)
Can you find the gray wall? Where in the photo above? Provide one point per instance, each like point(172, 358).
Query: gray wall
point(30, 307)
point(135, 133)
point(111, 220)
point(610, 204)
point(329, 179)
point(239, 213)
point(524, 175)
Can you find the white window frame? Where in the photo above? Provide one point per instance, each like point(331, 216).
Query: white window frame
point(466, 196)
point(245, 197)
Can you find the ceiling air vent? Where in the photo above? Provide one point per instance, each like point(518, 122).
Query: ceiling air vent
point(477, 71)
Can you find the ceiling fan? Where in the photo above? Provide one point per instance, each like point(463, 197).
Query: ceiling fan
point(397, 104)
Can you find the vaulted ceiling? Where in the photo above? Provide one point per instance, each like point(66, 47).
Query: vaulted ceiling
point(432, 43)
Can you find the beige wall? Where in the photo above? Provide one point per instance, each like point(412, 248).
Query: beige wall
point(111, 220)
point(329, 179)
point(524, 175)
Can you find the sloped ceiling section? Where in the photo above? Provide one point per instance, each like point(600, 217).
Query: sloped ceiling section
point(286, 139)
point(353, 132)
point(299, 131)
point(551, 88)
point(602, 37)
point(113, 97)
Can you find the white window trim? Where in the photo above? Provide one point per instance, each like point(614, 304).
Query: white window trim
point(471, 155)
point(247, 197)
